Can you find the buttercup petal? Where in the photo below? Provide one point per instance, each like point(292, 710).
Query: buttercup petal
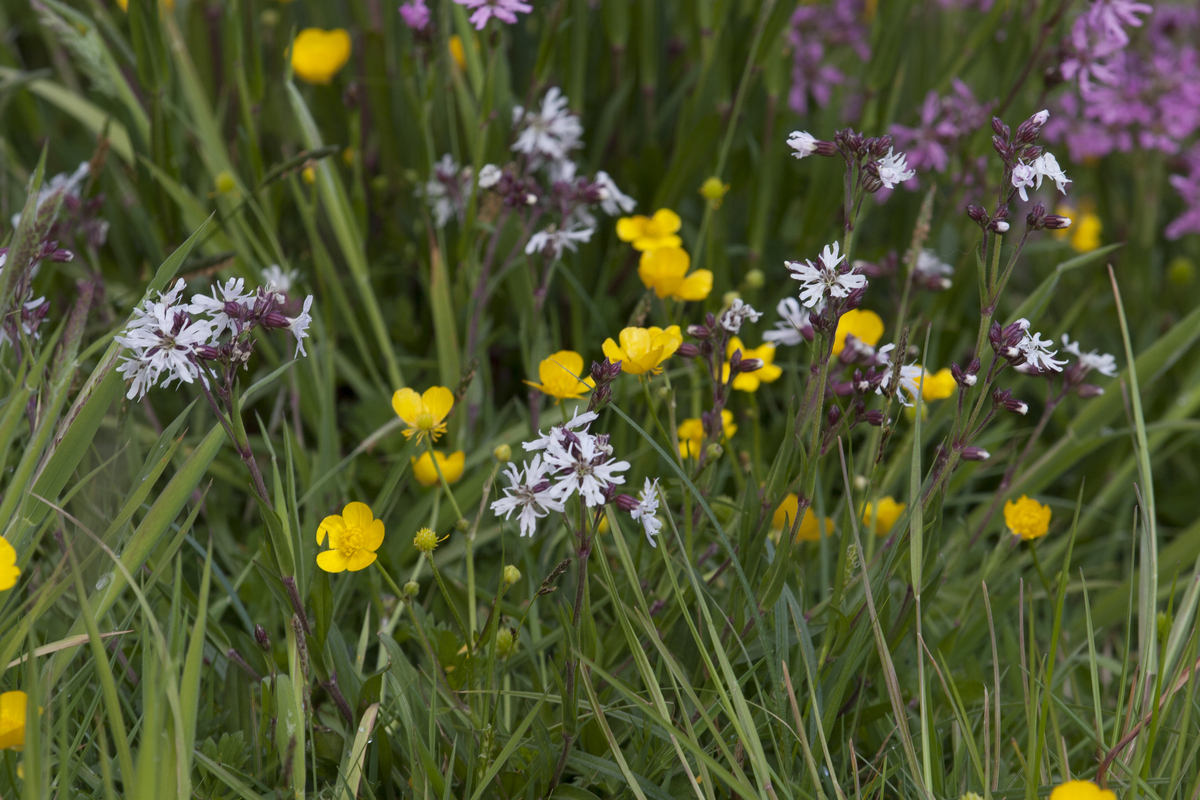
point(360, 560)
point(357, 515)
point(373, 535)
point(331, 561)
point(452, 467)
point(612, 351)
point(408, 405)
point(696, 286)
point(438, 401)
point(333, 526)
point(630, 228)
point(664, 222)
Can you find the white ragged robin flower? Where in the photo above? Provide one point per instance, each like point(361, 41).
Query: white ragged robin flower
point(737, 314)
point(795, 324)
point(554, 241)
point(613, 201)
point(803, 143)
point(1104, 363)
point(529, 493)
point(893, 169)
point(646, 509)
point(276, 279)
point(298, 325)
point(489, 176)
point(931, 273)
point(909, 382)
point(1046, 166)
point(447, 190)
point(543, 439)
point(162, 343)
point(583, 464)
point(548, 135)
point(819, 283)
point(219, 304)
point(1036, 350)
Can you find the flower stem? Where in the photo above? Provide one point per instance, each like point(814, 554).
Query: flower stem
point(442, 479)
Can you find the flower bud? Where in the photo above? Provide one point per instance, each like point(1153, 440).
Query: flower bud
point(755, 279)
point(999, 226)
point(225, 183)
point(1056, 222)
point(714, 451)
point(625, 502)
point(462, 526)
point(412, 589)
point(263, 638)
point(975, 454)
point(511, 575)
point(502, 453)
point(977, 214)
point(999, 128)
point(425, 541)
point(688, 350)
point(834, 415)
point(750, 364)
point(698, 331)
point(504, 641)
point(873, 417)
point(1089, 390)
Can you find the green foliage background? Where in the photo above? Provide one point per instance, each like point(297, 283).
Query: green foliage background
point(139, 517)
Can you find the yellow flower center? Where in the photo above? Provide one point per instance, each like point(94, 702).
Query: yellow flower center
point(352, 541)
point(425, 421)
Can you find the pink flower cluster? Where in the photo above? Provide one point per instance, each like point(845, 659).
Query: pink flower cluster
point(815, 29)
point(944, 123)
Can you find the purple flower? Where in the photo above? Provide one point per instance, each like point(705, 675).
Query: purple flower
point(814, 31)
point(415, 14)
point(1111, 17)
point(1188, 187)
point(503, 10)
point(944, 122)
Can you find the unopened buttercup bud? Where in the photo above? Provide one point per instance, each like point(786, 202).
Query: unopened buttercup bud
point(511, 575)
point(1089, 390)
point(728, 298)
point(412, 589)
point(975, 454)
point(504, 642)
point(462, 526)
point(714, 452)
point(502, 453)
point(755, 279)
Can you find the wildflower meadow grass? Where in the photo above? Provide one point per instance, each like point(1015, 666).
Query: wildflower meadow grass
point(587, 399)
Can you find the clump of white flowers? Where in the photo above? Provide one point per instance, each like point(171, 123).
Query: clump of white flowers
point(569, 461)
point(170, 340)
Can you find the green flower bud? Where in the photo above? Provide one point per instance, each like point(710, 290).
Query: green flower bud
point(411, 589)
point(505, 642)
point(755, 279)
point(511, 575)
point(503, 453)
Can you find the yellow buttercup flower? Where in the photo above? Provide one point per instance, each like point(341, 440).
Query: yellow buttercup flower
point(691, 434)
point(317, 54)
point(12, 720)
point(1027, 518)
point(1085, 228)
point(1081, 790)
point(644, 349)
point(663, 270)
point(885, 515)
point(750, 381)
point(457, 52)
point(809, 530)
point(939, 385)
point(560, 375)
point(451, 466)
point(866, 326)
point(309, 175)
point(649, 233)
point(714, 191)
point(9, 571)
point(169, 5)
point(423, 413)
point(353, 539)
